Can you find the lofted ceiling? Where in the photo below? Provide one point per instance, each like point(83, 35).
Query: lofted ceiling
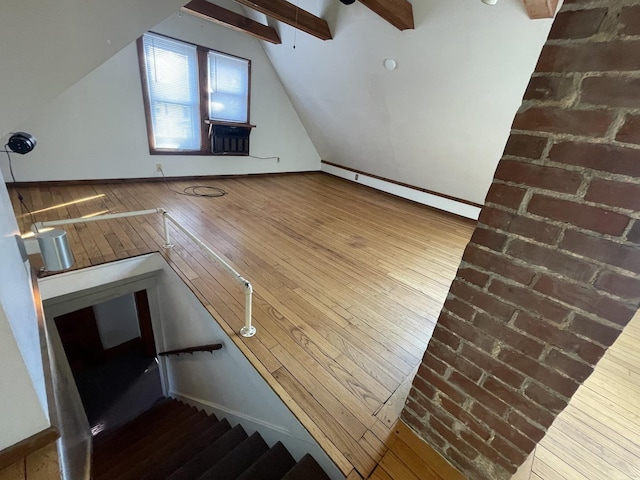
point(421, 93)
point(398, 13)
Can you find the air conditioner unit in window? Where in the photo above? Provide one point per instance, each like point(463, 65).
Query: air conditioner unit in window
point(230, 140)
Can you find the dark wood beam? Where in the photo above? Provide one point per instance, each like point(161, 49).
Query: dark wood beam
point(398, 13)
point(232, 20)
point(291, 15)
point(540, 8)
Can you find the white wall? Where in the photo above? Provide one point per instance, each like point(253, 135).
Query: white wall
point(96, 129)
point(441, 119)
point(45, 47)
point(23, 400)
point(117, 320)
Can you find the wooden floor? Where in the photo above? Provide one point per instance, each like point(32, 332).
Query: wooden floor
point(598, 435)
point(348, 284)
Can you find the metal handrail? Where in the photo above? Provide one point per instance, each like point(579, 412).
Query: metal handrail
point(200, 348)
point(248, 330)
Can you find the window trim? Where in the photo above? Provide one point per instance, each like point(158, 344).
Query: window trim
point(203, 81)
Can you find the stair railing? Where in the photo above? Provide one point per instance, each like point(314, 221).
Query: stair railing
point(248, 330)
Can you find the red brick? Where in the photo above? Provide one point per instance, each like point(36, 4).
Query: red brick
point(442, 386)
point(591, 123)
point(492, 366)
point(459, 308)
point(553, 335)
point(621, 285)
point(518, 401)
point(482, 300)
point(479, 394)
point(630, 20)
point(577, 24)
point(552, 259)
point(417, 409)
point(548, 89)
point(458, 460)
point(458, 362)
point(465, 330)
point(605, 158)
point(506, 334)
point(546, 398)
point(489, 452)
point(489, 238)
point(634, 232)
point(535, 230)
point(425, 388)
point(500, 426)
point(452, 438)
point(443, 416)
point(616, 194)
point(555, 381)
point(418, 424)
point(444, 336)
point(563, 363)
point(539, 176)
point(474, 276)
point(529, 300)
point(585, 298)
point(493, 217)
point(522, 424)
point(499, 264)
point(462, 415)
point(580, 215)
point(526, 146)
point(630, 130)
point(611, 91)
point(619, 55)
point(603, 250)
point(515, 455)
point(505, 195)
point(596, 331)
point(433, 363)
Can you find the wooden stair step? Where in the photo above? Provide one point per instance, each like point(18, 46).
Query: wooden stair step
point(180, 456)
point(273, 465)
point(210, 455)
point(306, 469)
point(237, 460)
point(158, 410)
point(108, 453)
point(155, 457)
point(156, 437)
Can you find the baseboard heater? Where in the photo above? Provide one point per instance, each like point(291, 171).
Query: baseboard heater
point(230, 140)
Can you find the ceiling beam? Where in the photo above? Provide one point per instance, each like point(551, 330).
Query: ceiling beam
point(398, 13)
point(540, 8)
point(227, 18)
point(291, 15)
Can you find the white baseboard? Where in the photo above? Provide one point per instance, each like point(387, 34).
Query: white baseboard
point(415, 195)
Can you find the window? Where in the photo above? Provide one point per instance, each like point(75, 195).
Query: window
point(192, 94)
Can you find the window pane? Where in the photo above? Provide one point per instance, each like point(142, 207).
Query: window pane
point(172, 82)
point(228, 88)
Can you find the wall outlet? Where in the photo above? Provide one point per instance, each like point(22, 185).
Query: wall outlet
point(159, 167)
point(357, 176)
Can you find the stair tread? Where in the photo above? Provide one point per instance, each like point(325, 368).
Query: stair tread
point(237, 460)
point(155, 457)
point(201, 462)
point(273, 465)
point(157, 435)
point(306, 469)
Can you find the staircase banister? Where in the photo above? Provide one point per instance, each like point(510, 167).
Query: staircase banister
point(198, 348)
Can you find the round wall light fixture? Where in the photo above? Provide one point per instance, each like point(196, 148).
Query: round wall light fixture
point(21, 142)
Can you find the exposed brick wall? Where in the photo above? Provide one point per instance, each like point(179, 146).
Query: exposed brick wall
point(550, 277)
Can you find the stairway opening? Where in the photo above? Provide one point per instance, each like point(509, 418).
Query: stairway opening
point(111, 351)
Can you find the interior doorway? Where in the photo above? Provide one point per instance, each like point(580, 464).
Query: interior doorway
point(111, 351)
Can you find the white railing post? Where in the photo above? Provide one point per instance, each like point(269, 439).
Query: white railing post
point(165, 224)
point(248, 330)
